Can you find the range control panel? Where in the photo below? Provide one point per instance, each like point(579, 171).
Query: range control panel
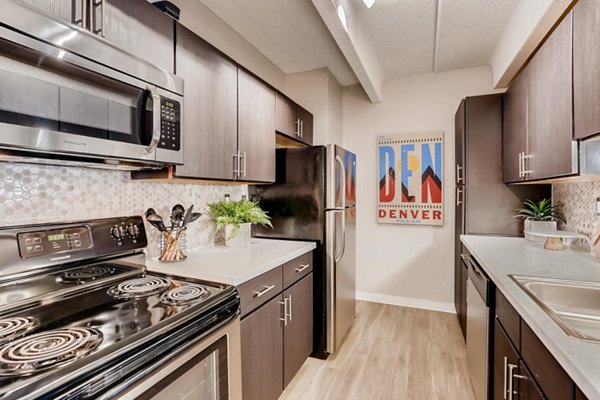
point(91, 238)
point(33, 244)
point(170, 124)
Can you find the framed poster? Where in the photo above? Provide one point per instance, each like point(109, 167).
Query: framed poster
point(411, 178)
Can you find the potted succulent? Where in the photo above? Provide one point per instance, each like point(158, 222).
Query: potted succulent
point(539, 216)
point(237, 217)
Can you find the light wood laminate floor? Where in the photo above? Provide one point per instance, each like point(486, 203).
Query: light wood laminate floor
point(391, 353)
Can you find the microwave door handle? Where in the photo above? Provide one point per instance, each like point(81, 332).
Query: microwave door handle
point(155, 120)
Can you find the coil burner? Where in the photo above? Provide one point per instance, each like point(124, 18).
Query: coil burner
point(186, 294)
point(13, 328)
point(45, 350)
point(140, 287)
point(86, 274)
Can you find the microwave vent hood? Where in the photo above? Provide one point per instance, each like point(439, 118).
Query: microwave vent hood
point(70, 97)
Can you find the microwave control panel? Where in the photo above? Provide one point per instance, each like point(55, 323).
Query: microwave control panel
point(41, 243)
point(170, 124)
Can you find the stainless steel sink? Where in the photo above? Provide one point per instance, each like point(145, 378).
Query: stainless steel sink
point(573, 305)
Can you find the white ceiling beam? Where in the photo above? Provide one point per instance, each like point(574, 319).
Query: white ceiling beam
point(354, 45)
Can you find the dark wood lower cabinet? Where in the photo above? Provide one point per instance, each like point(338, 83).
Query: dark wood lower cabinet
point(277, 338)
point(262, 352)
point(297, 337)
point(527, 389)
point(505, 356)
point(579, 394)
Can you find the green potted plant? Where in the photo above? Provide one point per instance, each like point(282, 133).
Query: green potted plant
point(236, 217)
point(539, 215)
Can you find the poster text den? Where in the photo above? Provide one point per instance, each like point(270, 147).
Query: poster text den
point(427, 167)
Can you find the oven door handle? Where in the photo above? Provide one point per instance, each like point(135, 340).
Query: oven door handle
point(155, 119)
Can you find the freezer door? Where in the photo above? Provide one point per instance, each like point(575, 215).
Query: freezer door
point(296, 203)
point(341, 177)
point(341, 275)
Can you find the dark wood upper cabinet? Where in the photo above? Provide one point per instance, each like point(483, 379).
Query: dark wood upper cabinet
point(256, 127)
point(586, 64)
point(459, 140)
point(293, 121)
point(286, 118)
point(137, 27)
point(306, 125)
point(210, 109)
point(67, 10)
point(514, 133)
point(550, 107)
point(538, 113)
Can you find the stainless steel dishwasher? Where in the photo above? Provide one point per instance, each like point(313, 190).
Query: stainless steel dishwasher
point(480, 296)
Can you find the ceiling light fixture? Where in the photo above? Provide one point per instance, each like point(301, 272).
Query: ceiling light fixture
point(369, 3)
point(342, 16)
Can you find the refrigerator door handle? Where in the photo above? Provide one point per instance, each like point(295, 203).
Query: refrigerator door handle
point(343, 169)
point(339, 257)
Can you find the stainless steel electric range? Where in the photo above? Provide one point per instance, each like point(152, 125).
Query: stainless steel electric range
point(80, 317)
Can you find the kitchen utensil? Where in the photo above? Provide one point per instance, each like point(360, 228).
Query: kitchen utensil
point(177, 215)
point(195, 216)
point(156, 221)
point(150, 211)
point(188, 217)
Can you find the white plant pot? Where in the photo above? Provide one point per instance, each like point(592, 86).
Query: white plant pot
point(242, 239)
point(537, 226)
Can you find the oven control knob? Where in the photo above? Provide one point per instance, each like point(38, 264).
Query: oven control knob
point(133, 231)
point(117, 232)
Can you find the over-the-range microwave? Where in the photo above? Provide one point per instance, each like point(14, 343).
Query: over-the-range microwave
point(68, 96)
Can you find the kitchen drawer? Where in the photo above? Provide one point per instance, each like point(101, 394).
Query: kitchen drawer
point(552, 379)
point(259, 290)
point(296, 269)
point(509, 319)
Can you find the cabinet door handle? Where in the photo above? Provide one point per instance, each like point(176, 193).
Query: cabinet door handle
point(81, 21)
point(458, 169)
point(301, 128)
point(302, 268)
point(520, 165)
point(244, 165)
point(290, 307)
point(265, 290)
point(505, 388)
point(101, 4)
point(525, 170)
point(285, 311)
point(459, 191)
point(297, 124)
point(236, 165)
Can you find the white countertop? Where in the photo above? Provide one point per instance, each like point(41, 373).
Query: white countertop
point(234, 265)
point(500, 256)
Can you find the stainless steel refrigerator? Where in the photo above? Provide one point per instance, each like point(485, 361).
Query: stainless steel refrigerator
point(314, 199)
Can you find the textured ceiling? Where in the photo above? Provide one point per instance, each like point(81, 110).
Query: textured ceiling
point(468, 31)
point(406, 37)
point(288, 32)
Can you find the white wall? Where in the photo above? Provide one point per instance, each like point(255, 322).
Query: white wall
point(407, 265)
point(320, 93)
point(206, 24)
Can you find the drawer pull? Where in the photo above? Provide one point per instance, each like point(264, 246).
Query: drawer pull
point(302, 268)
point(265, 290)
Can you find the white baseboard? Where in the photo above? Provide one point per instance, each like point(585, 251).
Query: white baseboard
point(407, 302)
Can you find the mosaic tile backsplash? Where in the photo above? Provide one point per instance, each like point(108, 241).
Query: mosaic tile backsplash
point(578, 207)
point(38, 193)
